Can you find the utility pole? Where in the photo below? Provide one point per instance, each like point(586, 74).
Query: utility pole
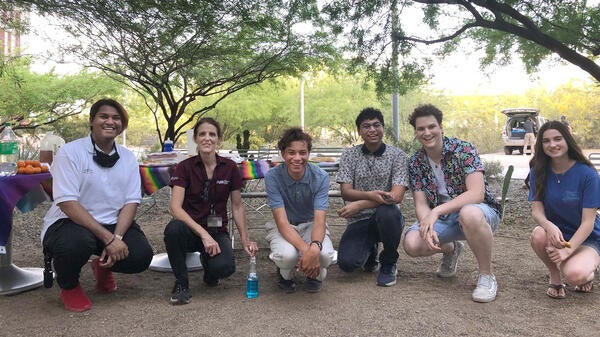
point(302, 80)
point(395, 98)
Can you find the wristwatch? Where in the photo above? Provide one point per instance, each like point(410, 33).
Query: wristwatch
point(120, 237)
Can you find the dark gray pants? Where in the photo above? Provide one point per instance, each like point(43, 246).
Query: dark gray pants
point(360, 238)
point(180, 240)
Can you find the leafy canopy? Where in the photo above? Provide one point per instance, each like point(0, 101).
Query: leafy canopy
point(174, 52)
point(32, 100)
point(533, 30)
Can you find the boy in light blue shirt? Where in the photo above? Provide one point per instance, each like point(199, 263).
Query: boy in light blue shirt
point(297, 193)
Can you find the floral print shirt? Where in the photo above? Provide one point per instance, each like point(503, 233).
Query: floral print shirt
point(459, 159)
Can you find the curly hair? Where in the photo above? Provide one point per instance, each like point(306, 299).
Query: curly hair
point(424, 110)
point(291, 135)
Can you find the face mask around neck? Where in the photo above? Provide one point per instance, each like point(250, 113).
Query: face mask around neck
point(104, 159)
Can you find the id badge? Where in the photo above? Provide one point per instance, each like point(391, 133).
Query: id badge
point(214, 221)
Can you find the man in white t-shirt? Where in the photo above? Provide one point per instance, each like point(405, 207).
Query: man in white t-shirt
point(96, 190)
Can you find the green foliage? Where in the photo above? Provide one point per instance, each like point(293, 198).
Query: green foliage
point(368, 27)
point(530, 30)
point(177, 54)
point(73, 127)
point(331, 103)
point(493, 169)
point(40, 100)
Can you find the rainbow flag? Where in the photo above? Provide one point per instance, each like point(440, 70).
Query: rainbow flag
point(255, 169)
point(155, 177)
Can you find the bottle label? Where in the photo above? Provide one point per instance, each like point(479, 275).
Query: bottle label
point(9, 148)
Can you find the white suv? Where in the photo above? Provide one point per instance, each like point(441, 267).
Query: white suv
point(513, 132)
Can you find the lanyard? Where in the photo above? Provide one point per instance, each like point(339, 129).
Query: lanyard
point(208, 186)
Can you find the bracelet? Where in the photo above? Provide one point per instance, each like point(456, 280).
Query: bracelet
point(109, 242)
point(318, 243)
point(120, 237)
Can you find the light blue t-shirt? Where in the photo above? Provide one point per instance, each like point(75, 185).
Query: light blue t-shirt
point(299, 197)
point(578, 188)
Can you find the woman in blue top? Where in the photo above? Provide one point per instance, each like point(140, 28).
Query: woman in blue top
point(564, 195)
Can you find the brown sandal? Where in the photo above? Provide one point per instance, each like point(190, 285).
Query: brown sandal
point(558, 288)
point(582, 288)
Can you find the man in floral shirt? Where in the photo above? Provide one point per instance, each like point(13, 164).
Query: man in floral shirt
point(452, 202)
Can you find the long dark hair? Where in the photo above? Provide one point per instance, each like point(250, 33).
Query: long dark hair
point(541, 161)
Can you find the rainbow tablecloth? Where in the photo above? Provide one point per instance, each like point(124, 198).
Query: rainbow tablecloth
point(12, 189)
point(155, 177)
point(255, 169)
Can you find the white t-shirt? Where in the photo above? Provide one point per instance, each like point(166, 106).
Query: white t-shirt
point(103, 191)
point(442, 188)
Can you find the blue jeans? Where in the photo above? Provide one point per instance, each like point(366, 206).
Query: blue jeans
point(360, 239)
point(448, 229)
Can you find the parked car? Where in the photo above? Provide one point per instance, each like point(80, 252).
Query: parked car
point(513, 133)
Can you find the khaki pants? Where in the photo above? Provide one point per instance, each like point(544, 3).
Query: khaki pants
point(529, 141)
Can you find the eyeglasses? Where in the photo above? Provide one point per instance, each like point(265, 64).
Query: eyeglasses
point(367, 126)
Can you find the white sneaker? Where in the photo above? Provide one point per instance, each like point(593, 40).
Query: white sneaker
point(486, 288)
point(450, 261)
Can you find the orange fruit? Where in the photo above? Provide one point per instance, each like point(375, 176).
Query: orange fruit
point(20, 163)
point(37, 169)
point(28, 169)
point(36, 163)
point(45, 168)
point(21, 170)
point(29, 162)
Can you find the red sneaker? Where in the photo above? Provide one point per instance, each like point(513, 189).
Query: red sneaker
point(105, 281)
point(75, 299)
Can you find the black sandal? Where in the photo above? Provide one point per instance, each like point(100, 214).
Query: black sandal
point(558, 288)
point(580, 288)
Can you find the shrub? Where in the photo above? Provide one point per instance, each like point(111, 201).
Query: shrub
point(493, 169)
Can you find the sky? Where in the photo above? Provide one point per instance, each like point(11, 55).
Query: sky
point(455, 75)
point(459, 76)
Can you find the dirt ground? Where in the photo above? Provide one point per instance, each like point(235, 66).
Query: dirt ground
point(420, 304)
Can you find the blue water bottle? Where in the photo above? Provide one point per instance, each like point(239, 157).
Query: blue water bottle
point(252, 280)
point(168, 147)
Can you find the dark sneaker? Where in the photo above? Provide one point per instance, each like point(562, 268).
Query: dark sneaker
point(180, 295)
point(313, 285)
point(372, 265)
point(288, 286)
point(387, 275)
point(210, 282)
point(450, 261)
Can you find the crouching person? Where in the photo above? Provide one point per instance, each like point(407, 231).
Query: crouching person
point(297, 194)
point(95, 201)
point(452, 201)
point(201, 187)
